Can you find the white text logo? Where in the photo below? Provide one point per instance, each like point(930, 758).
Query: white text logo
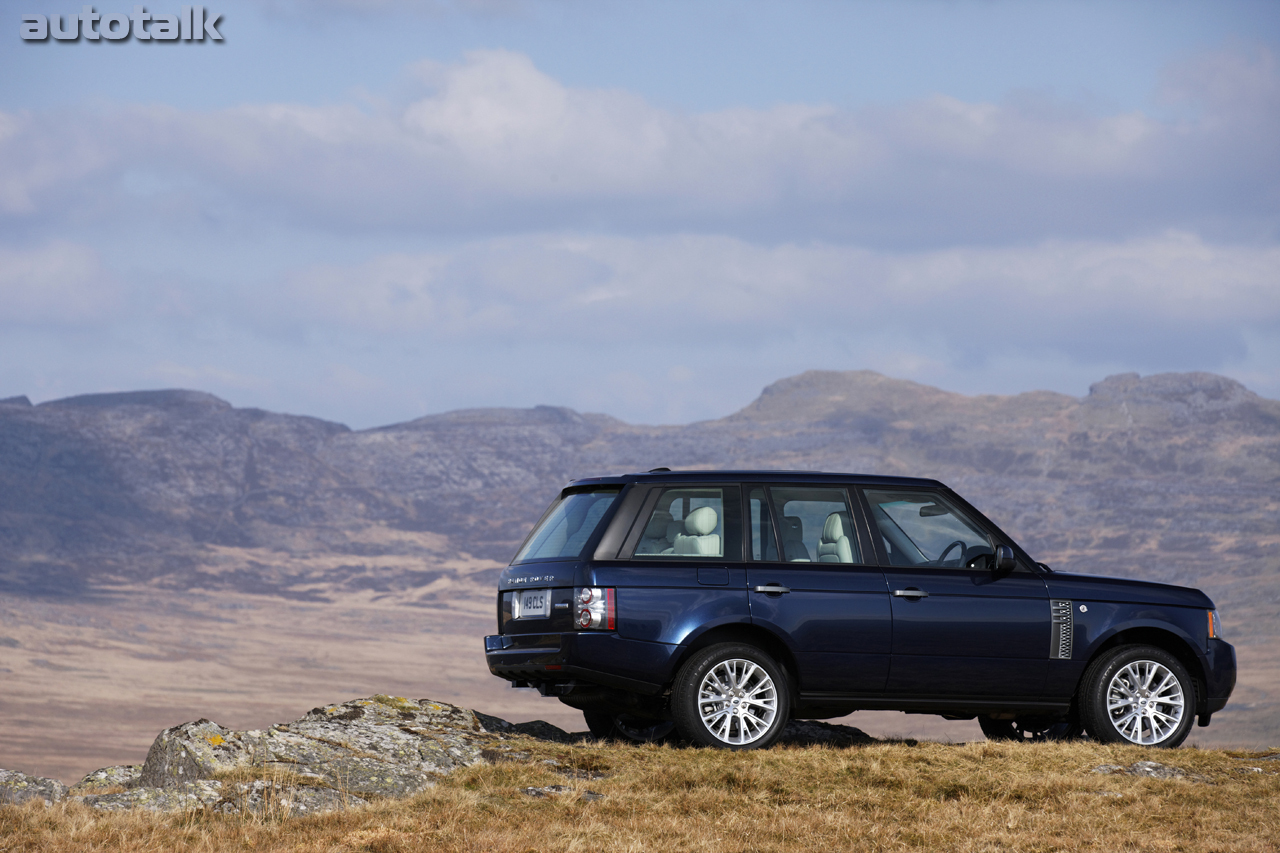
point(193, 24)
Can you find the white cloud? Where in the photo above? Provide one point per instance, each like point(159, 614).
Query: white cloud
point(657, 329)
point(1087, 299)
point(499, 144)
point(58, 284)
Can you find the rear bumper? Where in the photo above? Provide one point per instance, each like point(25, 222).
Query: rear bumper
point(594, 658)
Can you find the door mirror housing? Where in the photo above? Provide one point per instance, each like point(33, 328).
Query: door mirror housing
point(1004, 562)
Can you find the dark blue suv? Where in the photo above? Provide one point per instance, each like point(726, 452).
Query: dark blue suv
point(722, 603)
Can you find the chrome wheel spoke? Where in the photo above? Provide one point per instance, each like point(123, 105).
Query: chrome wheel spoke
point(738, 701)
point(1140, 712)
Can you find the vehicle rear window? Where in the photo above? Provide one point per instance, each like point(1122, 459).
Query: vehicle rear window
point(568, 525)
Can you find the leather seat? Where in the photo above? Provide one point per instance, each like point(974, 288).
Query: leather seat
point(658, 536)
point(699, 538)
point(834, 546)
point(793, 547)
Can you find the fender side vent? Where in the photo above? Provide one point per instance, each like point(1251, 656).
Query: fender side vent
point(1060, 636)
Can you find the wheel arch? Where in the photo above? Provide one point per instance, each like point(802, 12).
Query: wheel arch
point(752, 635)
point(1162, 638)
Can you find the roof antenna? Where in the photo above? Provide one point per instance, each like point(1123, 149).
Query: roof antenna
point(657, 470)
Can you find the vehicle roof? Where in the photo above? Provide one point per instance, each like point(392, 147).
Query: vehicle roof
point(766, 476)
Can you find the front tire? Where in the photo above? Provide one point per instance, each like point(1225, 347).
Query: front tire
point(1138, 694)
point(731, 696)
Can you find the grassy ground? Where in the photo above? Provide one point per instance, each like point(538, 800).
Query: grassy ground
point(891, 796)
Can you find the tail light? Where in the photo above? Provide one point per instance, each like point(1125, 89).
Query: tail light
point(595, 609)
point(1215, 625)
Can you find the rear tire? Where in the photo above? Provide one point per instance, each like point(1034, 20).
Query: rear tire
point(731, 696)
point(1140, 695)
point(1031, 729)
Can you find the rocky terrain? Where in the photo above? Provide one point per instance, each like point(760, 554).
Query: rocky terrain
point(121, 511)
point(334, 757)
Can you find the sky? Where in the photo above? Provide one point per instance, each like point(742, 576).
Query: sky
point(374, 210)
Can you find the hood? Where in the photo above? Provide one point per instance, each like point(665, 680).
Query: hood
point(1124, 590)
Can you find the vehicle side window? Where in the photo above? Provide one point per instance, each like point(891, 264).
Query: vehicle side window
point(816, 525)
point(689, 523)
point(924, 529)
point(764, 544)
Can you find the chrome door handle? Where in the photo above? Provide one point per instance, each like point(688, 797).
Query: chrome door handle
point(912, 594)
point(773, 589)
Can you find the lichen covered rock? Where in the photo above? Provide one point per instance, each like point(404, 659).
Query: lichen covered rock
point(274, 798)
point(17, 788)
point(333, 757)
point(186, 796)
point(100, 781)
point(257, 797)
point(383, 746)
point(194, 751)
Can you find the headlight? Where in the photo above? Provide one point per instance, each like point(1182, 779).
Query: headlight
point(1215, 625)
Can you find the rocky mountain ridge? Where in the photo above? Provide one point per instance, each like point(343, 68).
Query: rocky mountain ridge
point(176, 487)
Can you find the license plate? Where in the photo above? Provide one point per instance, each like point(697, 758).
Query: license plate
point(531, 603)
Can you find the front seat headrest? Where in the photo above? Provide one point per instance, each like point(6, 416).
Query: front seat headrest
point(701, 521)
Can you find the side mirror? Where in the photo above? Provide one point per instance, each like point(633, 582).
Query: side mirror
point(1004, 562)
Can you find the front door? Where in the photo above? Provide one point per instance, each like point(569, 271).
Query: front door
point(958, 630)
point(808, 582)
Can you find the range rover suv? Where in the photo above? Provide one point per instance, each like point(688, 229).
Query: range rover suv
point(721, 603)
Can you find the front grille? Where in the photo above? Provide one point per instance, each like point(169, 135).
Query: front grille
point(1060, 641)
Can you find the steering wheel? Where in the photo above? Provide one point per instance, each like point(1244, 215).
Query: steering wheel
point(947, 550)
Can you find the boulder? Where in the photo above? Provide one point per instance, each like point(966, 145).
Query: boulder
point(333, 757)
point(100, 781)
point(186, 796)
point(382, 746)
point(17, 788)
point(194, 751)
point(257, 797)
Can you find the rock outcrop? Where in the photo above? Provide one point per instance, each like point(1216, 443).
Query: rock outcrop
point(17, 788)
point(383, 746)
point(334, 757)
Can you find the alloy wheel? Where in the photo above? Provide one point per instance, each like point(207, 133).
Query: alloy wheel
point(1145, 702)
point(737, 701)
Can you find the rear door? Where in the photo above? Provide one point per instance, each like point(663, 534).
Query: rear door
point(809, 582)
point(958, 630)
point(681, 564)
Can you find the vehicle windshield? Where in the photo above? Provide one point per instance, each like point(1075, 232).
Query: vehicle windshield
point(567, 526)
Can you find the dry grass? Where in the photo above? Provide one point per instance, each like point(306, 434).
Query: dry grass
point(976, 797)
